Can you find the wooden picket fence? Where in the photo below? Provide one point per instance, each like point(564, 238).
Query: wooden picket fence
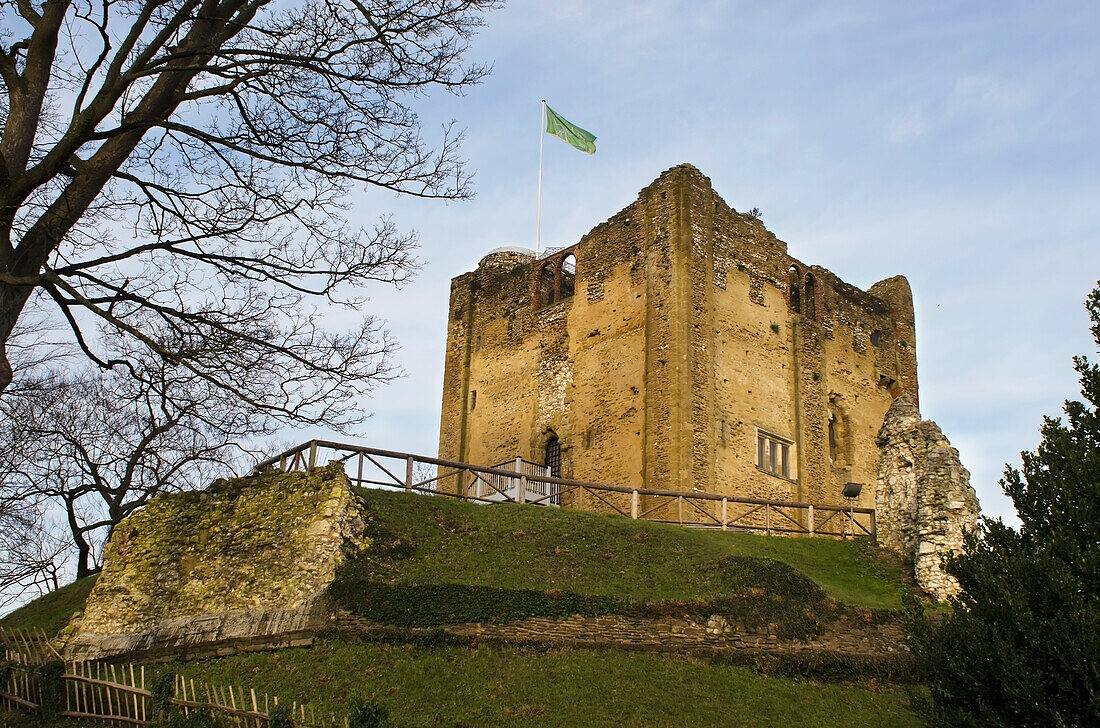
point(116, 694)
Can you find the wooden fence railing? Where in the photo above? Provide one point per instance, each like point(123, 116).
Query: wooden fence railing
point(117, 694)
point(368, 466)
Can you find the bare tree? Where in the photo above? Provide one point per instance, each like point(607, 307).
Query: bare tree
point(33, 556)
point(95, 446)
point(180, 165)
point(32, 553)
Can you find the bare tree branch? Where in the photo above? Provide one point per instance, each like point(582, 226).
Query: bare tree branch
point(92, 447)
point(183, 165)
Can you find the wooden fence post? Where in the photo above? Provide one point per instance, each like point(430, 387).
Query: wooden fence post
point(768, 518)
point(521, 495)
point(725, 513)
point(409, 472)
point(634, 504)
point(312, 454)
point(810, 518)
point(518, 467)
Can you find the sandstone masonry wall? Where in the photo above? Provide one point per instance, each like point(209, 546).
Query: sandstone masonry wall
point(691, 330)
point(848, 635)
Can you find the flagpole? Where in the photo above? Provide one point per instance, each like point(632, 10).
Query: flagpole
point(538, 206)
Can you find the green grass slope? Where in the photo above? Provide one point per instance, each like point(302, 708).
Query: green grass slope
point(506, 562)
point(461, 560)
point(420, 540)
point(51, 612)
point(487, 686)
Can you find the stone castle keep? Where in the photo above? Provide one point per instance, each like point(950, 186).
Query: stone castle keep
point(680, 346)
point(677, 346)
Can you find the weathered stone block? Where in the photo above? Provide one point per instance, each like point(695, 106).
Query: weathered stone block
point(246, 558)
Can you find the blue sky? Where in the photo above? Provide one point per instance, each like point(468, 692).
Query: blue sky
point(954, 143)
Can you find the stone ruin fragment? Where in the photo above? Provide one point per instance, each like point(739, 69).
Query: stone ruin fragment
point(924, 501)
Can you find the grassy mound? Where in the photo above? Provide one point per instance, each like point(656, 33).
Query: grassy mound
point(420, 540)
point(51, 612)
point(432, 561)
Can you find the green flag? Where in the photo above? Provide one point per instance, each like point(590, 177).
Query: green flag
point(569, 133)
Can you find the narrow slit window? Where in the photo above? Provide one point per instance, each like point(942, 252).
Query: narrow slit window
point(810, 293)
point(546, 285)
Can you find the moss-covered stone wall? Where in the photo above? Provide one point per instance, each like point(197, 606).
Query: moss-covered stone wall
point(246, 557)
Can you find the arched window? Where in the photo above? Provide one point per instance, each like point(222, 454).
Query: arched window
point(811, 297)
point(553, 456)
point(568, 275)
point(840, 440)
point(794, 282)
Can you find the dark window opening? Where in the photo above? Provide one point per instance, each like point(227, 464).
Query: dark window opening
point(794, 279)
point(553, 456)
point(473, 398)
point(876, 338)
point(546, 285)
point(811, 297)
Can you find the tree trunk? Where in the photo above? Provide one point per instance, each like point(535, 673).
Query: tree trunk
point(83, 554)
point(12, 301)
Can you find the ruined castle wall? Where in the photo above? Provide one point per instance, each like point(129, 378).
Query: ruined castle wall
point(608, 388)
point(246, 559)
point(790, 373)
point(574, 368)
point(679, 346)
point(868, 635)
point(754, 385)
point(862, 377)
point(452, 434)
point(924, 499)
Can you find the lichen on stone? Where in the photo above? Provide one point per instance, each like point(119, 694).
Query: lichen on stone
point(258, 543)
